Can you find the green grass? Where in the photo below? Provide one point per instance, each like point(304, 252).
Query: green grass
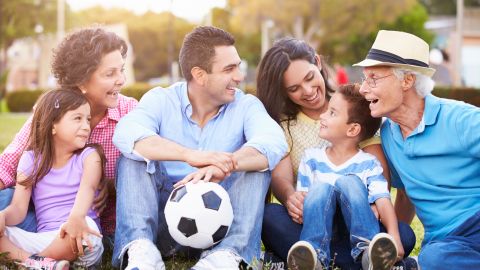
point(11, 123)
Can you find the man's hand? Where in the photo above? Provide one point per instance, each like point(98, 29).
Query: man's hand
point(2, 185)
point(294, 206)
point(210, 173)
point(223, 160)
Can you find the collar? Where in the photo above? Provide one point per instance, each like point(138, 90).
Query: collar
point(430, 115)
point(112, 114)
point(187, 105)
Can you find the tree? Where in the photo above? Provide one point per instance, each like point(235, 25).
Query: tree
point(355, 47)
point(149, 35)
point(18, 19)
point(316, 20)
point(446, 7)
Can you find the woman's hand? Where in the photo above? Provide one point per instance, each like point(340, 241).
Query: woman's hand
point(294, 206)
point(100, 201)
point(76, 228)
point(2, 224)
point(210, 173)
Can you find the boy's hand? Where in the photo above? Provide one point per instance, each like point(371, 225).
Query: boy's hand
point(400, 250)
point(294, 206)
point(78, 231)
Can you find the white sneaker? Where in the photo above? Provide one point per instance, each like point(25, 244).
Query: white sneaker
point(144, 255)
point(302, 256)
point(381, 253)
point(221, 260)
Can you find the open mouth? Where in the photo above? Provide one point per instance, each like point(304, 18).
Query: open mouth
point(312, 98)
point(113, 93)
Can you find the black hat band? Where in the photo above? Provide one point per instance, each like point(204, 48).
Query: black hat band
point(384, 56)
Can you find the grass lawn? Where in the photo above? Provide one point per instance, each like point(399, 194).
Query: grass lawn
point(11, 123)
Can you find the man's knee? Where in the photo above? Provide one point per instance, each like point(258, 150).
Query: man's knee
point(430, 254)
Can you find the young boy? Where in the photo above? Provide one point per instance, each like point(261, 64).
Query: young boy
point(342, 177)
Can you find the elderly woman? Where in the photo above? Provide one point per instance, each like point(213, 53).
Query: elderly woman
point(433, 147)
point(91, 61)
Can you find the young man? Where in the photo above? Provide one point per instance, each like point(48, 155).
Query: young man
point(341, 176)
point(203, 128)
point(432, 146)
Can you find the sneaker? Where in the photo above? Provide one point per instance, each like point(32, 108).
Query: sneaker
point(302, 256)
point(222, 259)
point(43, 263)
point(381, 253)
point(144, 255)
point(409, 263)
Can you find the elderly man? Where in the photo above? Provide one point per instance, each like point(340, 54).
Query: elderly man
point(433, 148)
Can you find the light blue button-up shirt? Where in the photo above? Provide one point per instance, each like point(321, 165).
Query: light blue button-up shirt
point(167, 113)
point(438, 164)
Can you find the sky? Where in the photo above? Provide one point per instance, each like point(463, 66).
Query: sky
point(192, 10)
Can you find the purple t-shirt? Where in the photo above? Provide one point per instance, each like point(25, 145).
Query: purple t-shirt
point(54, 195)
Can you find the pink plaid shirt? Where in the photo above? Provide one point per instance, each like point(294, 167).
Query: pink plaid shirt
point(101, 134)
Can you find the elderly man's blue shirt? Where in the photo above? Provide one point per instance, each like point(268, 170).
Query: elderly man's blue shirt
point(438, 164)
point(167, 112)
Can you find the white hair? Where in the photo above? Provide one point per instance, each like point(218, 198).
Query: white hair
point(423, 84)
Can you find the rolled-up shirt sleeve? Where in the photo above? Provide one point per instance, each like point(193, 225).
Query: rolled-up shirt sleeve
point(142, 122)
point(263, 133)
point(11, 155)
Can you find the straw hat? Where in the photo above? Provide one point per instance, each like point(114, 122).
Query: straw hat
point(399, 49)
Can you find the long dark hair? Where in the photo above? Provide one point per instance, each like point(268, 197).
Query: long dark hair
point(50, 108)
point(270, 87)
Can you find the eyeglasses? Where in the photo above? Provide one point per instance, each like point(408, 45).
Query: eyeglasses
point(372, 82)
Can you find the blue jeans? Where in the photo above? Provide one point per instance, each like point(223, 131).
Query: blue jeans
point(30, 222)
point(342, 240)
point(141, 199)
point(458, 250)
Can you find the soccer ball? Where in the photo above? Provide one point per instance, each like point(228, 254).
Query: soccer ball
point(198, 215)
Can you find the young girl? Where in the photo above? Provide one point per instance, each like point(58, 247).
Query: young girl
point(61, 174)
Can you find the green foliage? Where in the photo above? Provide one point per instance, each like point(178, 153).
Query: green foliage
point(136, 90)
point(156, 37)
point(468, 95)
point(3, 83)
point(18, 18)
point(411, 21)
point(446, 7)
point(22, 100)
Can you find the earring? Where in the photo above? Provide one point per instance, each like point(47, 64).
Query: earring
point(84, 92)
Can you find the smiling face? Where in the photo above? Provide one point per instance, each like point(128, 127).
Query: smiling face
point(334, 121)
point(72, 130)
point(225, 75)
point(103, 87)
point(305, 87)
point(387, 95)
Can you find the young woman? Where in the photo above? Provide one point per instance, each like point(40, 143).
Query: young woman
point(61, 175)
point(92, 61)
point(293, 85)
